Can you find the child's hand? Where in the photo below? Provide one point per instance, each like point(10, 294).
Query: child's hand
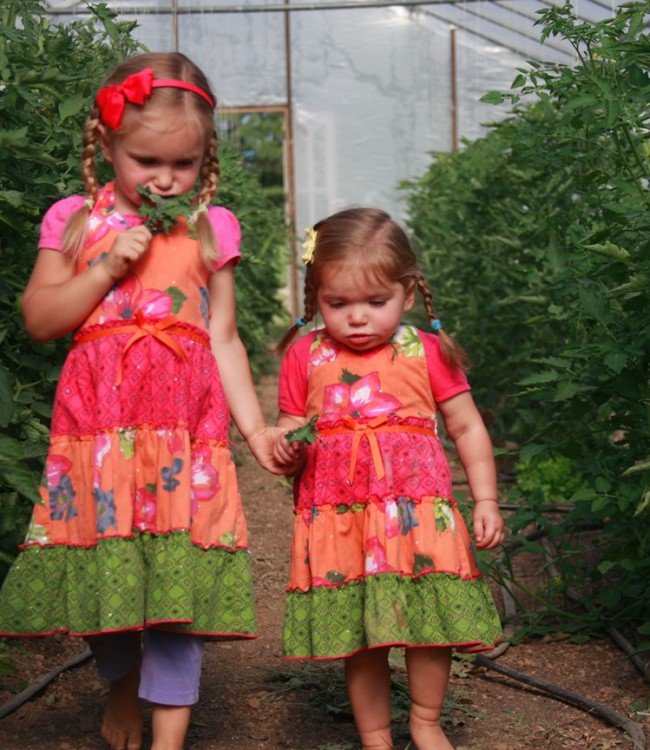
point(488, 524)
point(126, 251)
point(263, 446)
point(289, 454)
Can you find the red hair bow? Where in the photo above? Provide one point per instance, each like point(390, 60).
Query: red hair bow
point(111, 100)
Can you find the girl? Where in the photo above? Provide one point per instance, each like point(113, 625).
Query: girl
point(141, 528)
point(381, 556)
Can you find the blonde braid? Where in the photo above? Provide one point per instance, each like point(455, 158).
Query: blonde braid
point(90, 138)
point(74, 233)
point(210, 172)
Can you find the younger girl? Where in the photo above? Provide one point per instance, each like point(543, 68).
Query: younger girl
point(381, 556)
point(141, 529)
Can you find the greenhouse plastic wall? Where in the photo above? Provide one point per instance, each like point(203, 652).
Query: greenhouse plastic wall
point(371, 87)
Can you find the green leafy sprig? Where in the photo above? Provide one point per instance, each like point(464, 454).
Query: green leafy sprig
point(161, 214)
point(306, 434)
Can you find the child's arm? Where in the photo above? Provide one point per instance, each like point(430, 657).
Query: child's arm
point(235, 372)
point(466, 428)
point(56, 301)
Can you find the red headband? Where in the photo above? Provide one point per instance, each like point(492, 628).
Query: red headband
point(136, 89)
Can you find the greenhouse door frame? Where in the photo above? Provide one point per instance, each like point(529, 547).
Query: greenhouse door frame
point(289, 184)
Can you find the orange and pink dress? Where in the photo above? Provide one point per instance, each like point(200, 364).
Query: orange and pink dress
point(141, 521)
point(381, 555)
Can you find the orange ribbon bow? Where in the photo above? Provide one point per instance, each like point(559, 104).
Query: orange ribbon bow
point(366, 430)
point(158, 331)
point(161, 330)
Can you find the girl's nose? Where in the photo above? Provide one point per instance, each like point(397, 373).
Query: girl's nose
point(357, 315)
point(163, 179)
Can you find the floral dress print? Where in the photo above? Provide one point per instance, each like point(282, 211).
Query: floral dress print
point(141, 521)
point(381, 554)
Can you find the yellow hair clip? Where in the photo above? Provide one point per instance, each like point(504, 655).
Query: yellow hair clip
point(309, 245)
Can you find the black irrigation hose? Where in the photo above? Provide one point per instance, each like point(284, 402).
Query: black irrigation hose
point(29, 692)
point(634, 730)
point(618, 638)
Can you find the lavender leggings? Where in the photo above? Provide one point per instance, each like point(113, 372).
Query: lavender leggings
point(170, 663)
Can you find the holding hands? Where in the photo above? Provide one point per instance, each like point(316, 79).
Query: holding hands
point(274, 453)
point(289, 454)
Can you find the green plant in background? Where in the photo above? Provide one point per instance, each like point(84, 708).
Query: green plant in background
point(48, 76)
point(536, 240)
point(259, 277)
point(548, 479)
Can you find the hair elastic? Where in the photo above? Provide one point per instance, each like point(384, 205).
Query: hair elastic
point(436, 324)
point(200, 209)
point(136, 89)
point(300, 322)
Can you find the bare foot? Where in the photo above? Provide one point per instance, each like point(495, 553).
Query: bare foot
point(122, 726)
point(428, 736)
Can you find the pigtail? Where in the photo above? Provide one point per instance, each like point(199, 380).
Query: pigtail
point(74, 233)
point(210, 173)
point(452, 351)
point(310, 312)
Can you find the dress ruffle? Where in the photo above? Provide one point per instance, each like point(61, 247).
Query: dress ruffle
point(124, 584)
point(337, 544)
point(390, 610)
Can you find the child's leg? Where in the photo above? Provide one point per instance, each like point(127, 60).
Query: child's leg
point(171, 673)
point(367, 676)
point(117, 656)
point(169, 726)
point(428, 675)
point(122, 725)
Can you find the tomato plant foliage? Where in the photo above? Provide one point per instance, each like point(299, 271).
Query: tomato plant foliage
point(536, 240)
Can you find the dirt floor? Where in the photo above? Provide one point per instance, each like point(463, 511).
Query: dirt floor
point(252, 700)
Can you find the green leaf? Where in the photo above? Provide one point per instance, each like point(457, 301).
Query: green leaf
point(493, 97)
point(546, 376)
point(177, 295)
point(566, 390)
point(162, 214)
point(594, 304)
point(305, 434)
point(610, 250)
point(22, 480)
point(72, 106)
point(599, 503)
point(11, 451)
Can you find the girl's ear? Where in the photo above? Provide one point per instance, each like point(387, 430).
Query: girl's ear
point(105, 142)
